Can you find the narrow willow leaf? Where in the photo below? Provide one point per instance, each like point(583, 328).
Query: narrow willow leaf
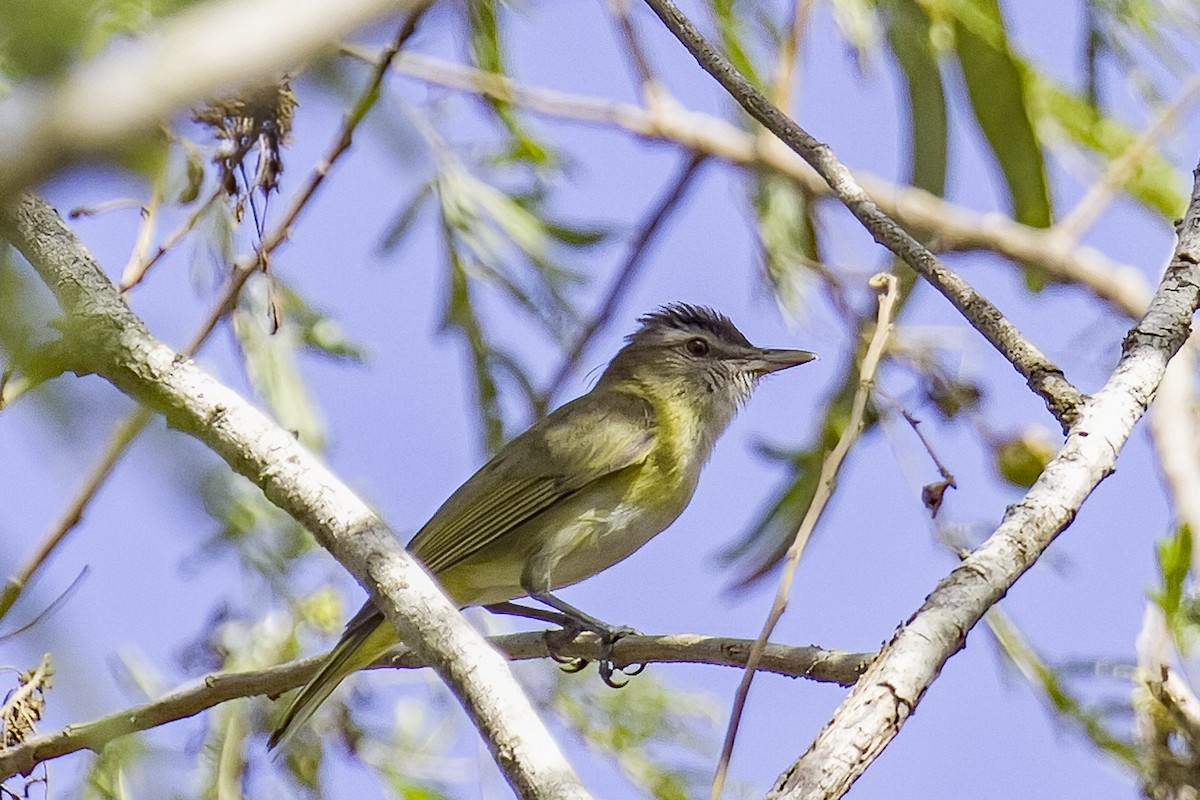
point(787, 235)
point(1156, 183)
point(908, 35)
point(996, 88)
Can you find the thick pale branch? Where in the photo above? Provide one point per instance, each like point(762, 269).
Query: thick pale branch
point(886, 695)
point(215, 47)
point(116, 345)
point(796, 662)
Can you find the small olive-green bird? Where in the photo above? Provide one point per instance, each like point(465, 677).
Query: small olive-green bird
point(580, 490)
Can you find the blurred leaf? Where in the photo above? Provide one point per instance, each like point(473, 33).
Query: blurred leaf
point(770, 536)
point(193, 173)
point(488, 53)
point(643, 728)
point(1156, 183)
point(1020, 459)
point(460, 315)
point(787, 235)
point(111, 18)
point(909, 37)
point(272, 364)
point(316, 330)
point(105, 776)
point(26, 311)
point(1058, 693)
point(402, 223)
point(730, 17)
point(996, 87)
point(1174, 564)
point(39, 38)
point(953, 396)
point(858, 23)
point(266, 540)
point(575, 236)
point(486, 225)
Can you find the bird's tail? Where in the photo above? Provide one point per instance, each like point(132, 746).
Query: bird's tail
point(366, 638)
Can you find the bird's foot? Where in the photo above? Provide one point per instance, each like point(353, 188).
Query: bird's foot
point(608, 634)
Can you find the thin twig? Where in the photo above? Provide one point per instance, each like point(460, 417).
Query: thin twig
point(1062, 399)
point(827, 666)
point(122, 436)
point(49, 610)
point(136, 272)
point(625, 276)
point(145, 230)
point(648, 85)
point(886, 285)
point(931, 493)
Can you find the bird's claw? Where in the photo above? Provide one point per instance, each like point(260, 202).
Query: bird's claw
point(556, 640)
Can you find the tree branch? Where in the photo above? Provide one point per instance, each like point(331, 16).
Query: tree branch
point(211, 690)
point(887, 694)
point(214, 47)
point(956, 228)
point(1047, 380)
point(119, 348)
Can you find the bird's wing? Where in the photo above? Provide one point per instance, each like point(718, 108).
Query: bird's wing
point(539, 468)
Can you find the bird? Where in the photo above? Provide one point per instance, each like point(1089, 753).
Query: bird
point(579, 491)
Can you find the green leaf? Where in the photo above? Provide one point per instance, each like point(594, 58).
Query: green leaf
point(316, 330)
point(645, 729)
point(909, 36)
point(403, 221)
point(1174, 563)
point(787, 234)
point(729, 16)
point(460, 315)
point(272, 365)
point(996, 88)
point(488, 53)
point(1156, 183)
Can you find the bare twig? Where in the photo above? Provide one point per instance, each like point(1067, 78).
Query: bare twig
point(125, 433)
point(786, 58)
point(136, 271)
point(145, 231)
point(1047, 380)
point(211, 690)
point(886, 285)
point(650, 88)
point(883, 699)
point(625, 276)
point(932, 494)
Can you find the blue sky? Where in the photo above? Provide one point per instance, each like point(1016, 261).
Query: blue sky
point(402, 429)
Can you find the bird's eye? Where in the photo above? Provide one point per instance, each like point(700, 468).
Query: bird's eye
point(697, 346)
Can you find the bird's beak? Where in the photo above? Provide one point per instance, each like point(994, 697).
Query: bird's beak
point(764, 362)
